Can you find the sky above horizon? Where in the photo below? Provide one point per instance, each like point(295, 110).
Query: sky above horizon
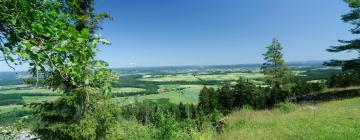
point(211, 32)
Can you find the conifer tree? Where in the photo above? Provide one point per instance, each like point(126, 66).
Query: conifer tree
point(275, 68)
point(353, 17)
point(182, 111)
point(226, 98)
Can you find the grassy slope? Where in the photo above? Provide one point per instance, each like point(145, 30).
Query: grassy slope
point(329, 120)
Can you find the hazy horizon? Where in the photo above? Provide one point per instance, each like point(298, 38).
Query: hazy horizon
point(218, 32)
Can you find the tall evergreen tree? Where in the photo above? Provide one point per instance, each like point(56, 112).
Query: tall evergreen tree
point(275, 69)
point(208, 100)
point(182, 111)
point(353, 17)
point(226, 98)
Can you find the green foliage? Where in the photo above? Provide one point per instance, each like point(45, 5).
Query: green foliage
point(286, 106)
point(274, 68)
point(344, 80)
point(58, 40)
point(305, 88)
point(228, 98)
point(276, 95)
point(331, 94)
point(247, 93)
point(349, 45)
point(170, 121)
point(317, 74)
point(208, 100)
point(247, 108)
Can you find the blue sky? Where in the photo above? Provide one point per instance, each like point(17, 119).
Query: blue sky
point(206, 32)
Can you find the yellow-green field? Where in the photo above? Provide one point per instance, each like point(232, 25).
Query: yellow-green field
point(335, 120)
point(127, 90)
point(210, 77)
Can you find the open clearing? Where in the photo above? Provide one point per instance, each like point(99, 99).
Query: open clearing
point(330, 120)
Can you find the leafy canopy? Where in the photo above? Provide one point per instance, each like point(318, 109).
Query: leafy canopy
point(58, 39)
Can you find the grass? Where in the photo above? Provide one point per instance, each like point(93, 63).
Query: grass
point(329, 120)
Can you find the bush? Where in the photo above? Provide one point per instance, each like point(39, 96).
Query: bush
point(330, 95)
point(247, 108)
point(344, 80)
point(247, 93)
point(286, 106)
point(305, 88)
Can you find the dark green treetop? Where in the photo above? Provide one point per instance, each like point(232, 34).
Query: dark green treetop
point(353, 17)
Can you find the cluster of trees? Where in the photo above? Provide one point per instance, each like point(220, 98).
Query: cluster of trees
point(344, 80)
point(228, 97)
point(171, 121)
point(303, 88)
point(279, 80)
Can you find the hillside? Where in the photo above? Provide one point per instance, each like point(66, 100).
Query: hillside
point(329, 120)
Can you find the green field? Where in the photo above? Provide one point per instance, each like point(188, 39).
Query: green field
point(9, 108)
point(127, 90)
point(173, 97)
point(175, 93)
point(28, 91)
point(7, 87)
point(335, 120)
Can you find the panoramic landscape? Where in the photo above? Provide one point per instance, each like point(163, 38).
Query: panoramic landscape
point(179, 70)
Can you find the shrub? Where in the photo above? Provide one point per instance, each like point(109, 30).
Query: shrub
point(247, 93)
point(286, 106)
point(305, 88)
point(344, 80)
point(247, 108)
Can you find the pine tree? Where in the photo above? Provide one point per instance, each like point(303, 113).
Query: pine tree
point(275, 69)
point(226, 98)
point(182, 111)
point(204, 100)
point(349, 45)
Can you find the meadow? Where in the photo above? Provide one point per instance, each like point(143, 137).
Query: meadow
point(338, 120)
